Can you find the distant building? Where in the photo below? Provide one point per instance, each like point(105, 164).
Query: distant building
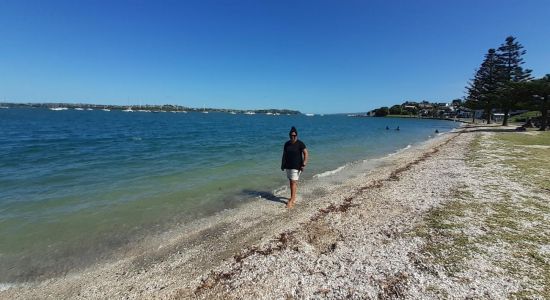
point(425, 104)
point(478, 113)
point(497, 117)
point(463, 112)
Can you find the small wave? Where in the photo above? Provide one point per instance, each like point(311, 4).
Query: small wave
point(328, 173)
point(6, 286)
point(399, 151)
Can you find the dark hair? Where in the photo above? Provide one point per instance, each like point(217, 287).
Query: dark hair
point(293, 129)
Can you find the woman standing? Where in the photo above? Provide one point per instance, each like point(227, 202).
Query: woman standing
point(294, 161)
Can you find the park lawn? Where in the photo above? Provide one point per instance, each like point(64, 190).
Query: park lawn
point(531, 160)
point(524, 116)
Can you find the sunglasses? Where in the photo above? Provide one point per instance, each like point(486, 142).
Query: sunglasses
point(293, 135)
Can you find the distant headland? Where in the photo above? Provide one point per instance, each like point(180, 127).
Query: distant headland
point(146, 108)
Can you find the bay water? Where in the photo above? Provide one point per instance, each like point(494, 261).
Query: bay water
point(77, 185)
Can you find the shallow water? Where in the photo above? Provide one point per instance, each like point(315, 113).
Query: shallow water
point(75, 185)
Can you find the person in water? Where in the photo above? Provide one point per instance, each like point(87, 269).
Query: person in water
point(294, 161)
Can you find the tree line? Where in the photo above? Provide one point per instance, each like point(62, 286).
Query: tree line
point(502, 83)
point(422, 109)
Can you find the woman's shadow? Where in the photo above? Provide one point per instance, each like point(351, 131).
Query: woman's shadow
point(265, 195)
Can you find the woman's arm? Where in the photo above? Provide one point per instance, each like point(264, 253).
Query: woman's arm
point(304, 163)
point(283, 160)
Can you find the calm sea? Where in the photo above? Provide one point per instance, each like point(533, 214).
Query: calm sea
point(76, 183)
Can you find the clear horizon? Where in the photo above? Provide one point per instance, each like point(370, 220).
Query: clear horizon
point(310, 56)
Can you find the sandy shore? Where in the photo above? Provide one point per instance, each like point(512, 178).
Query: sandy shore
point(360, 236)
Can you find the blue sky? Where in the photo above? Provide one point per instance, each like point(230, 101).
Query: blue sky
point(313, 56)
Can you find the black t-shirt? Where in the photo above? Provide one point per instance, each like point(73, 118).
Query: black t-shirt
point(293, 155)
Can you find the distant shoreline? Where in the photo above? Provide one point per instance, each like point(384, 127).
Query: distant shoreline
point(146, 107)
point(463, 120)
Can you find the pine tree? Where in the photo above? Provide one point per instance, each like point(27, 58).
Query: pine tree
point(473, 99)
point(485, 88)
point(510, 59)
point(540, 92)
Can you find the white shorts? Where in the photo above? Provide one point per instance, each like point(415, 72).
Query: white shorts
point(293, 174)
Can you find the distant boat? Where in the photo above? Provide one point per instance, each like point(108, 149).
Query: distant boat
point(89, 108)
point(106, 109)
point(4, 107)
point(129, 109)
point(142, 110)
point(233, 113)
point(310, 115)
point(249, 113)
point(79, 108)
point(58, 108)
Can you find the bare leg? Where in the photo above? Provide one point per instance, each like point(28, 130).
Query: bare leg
point(293, 188)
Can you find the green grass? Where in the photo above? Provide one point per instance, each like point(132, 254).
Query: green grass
point(531, 161)
point(515, 225)
point(524, 116)
point(474, 156)
point(531, 167)
point(521, 138)
point(447, 244)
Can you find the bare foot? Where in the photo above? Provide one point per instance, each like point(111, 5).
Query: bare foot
point(290, 204)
